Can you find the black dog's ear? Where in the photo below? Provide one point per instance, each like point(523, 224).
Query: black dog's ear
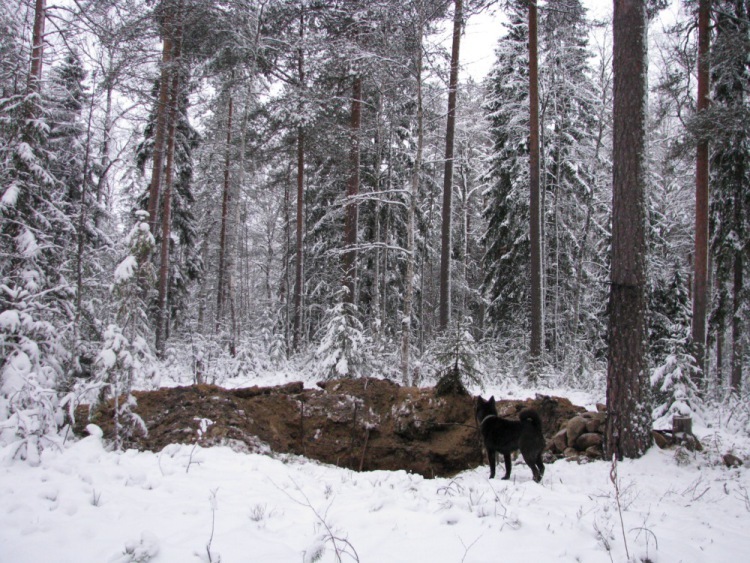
point(492, 400)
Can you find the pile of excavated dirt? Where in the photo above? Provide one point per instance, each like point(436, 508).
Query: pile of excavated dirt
point(361, 424)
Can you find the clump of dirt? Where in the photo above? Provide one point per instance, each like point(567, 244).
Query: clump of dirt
point(361, 424)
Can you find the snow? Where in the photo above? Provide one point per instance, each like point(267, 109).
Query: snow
point(10, 321)
point(84, 502)
point(125, 269)
point(10, 197)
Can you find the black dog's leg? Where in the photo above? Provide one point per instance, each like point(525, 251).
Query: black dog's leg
point(491, 455)
point(506, 456)
point(533, 464)
point(540, 465)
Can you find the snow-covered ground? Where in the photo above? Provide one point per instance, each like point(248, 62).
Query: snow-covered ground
point(84, 503)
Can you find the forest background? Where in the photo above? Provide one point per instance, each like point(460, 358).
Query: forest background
point(227, 188)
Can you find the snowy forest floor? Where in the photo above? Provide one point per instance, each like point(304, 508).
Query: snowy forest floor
point(187, 502)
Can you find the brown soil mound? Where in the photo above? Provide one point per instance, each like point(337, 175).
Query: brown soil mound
point(362, 424)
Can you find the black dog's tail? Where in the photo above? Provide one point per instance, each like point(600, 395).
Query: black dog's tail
point(532, 416)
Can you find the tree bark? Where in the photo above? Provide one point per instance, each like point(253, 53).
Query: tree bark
point(161, 124)
point(352, 191)
point(37, 46)
point(445, 239)
point(628, 421)
point(166, 214)
point(535, 208)
point(700, 291)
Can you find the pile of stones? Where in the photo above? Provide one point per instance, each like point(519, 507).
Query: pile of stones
point(580, 437)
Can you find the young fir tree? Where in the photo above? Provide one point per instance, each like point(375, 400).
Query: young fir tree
point(125, 358)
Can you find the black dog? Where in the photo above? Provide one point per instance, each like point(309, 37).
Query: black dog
point(505, 436)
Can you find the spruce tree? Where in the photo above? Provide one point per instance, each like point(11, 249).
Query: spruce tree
point(506, 261)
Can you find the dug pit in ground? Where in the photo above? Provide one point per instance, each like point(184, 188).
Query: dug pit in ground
point(362, 424)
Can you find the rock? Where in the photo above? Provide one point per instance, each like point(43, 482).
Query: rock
point(731, 460)
point(601, 407)
point(661, 439)
point(560, 440)
point(588, 440)
point(576, 427)
point(595, 452)
point(596, 423)
point(570, 453)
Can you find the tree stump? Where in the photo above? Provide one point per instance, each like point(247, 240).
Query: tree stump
point(682, 424)
point(682, 433)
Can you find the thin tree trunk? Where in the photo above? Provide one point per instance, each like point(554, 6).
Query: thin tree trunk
point(225, 201)
point(300, 216)
point(445, 239)
point(299, 263)
point(162, 111)
point(375, 291)
point(352, 191)
point(406, 324)
point(738, 283)
point(737, 336)
point(720, 328)
point(233, 234)
point(535, 210)
point(102, 186)
point(166, 217)
point(700, 293)
point(628, 427)
point(82, 223)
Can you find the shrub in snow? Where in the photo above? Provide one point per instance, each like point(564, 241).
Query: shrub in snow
point(139, 551)
point(30, 367)
point(344, 347)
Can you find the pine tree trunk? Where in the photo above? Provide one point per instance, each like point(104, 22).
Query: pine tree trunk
point(535, 210)
point(166, 216)
point(628, 406)
point(700, 292)
point(352, 191)
point(445, 239)
point(37, 46)
point(162, 112)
